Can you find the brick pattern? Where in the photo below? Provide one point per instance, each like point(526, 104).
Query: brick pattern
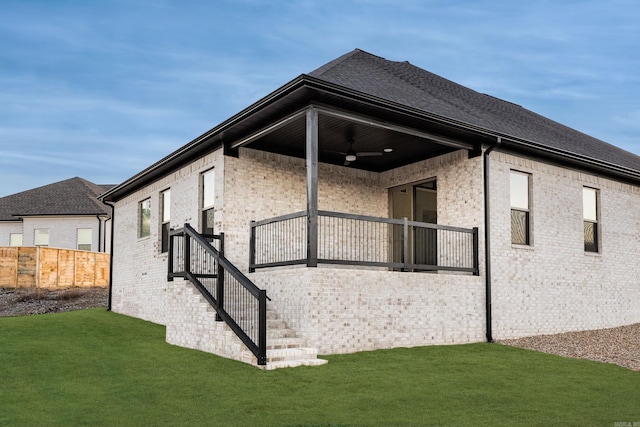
point(554, 286)
point(342, 310)
point(191, 323)
point(140, 269)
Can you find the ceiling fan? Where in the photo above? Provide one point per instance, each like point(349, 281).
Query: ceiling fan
point(352, 156)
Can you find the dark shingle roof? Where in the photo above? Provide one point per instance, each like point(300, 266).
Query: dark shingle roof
point(362, 77)
point(75, 196)
point(408, 85)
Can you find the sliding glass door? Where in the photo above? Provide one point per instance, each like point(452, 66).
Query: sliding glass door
point(416, 202)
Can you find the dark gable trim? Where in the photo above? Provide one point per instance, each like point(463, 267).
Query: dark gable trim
point(571, 161)
point(201, 146)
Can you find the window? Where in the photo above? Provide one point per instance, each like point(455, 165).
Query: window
point(41, 237)
point(84, 239)
point(144, 218)
point(15, 239)
point(520, 212)
point(590, 214)
point(207, 202)
point(165, 196)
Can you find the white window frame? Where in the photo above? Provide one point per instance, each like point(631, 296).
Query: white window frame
point(81, 231)
point(207, 201)
point(592, 218)
point(165, 217)
point(39, 237)
point(16, 239)
point(144, 231)
point(518, 206)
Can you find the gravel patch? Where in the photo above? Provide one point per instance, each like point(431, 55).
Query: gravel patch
point(620, 346)
point(24, 302)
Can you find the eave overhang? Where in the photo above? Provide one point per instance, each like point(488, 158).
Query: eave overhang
point(281, 111)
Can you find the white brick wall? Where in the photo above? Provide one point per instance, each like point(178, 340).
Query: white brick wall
point(550, 287)
point(140, 270)
point(349, 310)
point(553, 285)
point(191, 323)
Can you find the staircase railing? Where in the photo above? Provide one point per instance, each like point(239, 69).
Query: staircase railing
point(237, 301)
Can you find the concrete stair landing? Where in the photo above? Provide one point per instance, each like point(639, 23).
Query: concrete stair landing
point(284, 348)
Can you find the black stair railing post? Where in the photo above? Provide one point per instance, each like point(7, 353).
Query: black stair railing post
point(220, 279)
point(262, 327)
point(252, 248)
point(476, 264)
point(170, 255)
point(187, 252)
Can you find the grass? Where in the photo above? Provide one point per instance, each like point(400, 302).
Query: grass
point(93, 367)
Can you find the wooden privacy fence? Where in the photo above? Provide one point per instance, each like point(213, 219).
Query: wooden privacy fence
point(52, 268)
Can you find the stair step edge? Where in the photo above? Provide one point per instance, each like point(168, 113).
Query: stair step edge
point(293, 364)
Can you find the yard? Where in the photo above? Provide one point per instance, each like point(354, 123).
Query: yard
point(93, 367)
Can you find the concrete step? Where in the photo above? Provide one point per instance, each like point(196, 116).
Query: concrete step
point(284, 354)
point(287, 342)
point(284, 348)
point(292, 364)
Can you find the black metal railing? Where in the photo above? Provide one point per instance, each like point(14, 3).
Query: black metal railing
point(350, 239)
point(237, 301)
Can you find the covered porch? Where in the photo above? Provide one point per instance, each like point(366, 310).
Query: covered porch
point(390, 235)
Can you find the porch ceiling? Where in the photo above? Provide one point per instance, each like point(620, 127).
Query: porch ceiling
point(336, 129)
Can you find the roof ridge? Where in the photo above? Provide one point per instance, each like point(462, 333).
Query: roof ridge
point(332, 64)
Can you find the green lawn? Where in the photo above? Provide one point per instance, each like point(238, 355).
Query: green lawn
point(98, 368)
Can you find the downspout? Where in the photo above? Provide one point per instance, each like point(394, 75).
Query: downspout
point(99, 231)
point(113, 214)
point(487, 239)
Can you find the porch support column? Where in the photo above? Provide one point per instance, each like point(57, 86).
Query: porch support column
point(312, 187)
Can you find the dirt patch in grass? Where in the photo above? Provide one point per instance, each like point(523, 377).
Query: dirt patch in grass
point(24, 302)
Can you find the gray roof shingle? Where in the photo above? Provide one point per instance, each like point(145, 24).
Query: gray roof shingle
point(74, 196)
point(408, 85)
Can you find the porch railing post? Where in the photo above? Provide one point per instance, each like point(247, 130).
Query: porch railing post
point(220, 279)
point(405, 243)
point(312, 186)
point(476, 264)
point(252, 247)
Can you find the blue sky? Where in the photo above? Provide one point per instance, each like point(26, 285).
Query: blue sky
point(103, 89)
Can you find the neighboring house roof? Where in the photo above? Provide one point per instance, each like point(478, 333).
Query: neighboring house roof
point(406, 84)
point(368, 84)
point(75, 196)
